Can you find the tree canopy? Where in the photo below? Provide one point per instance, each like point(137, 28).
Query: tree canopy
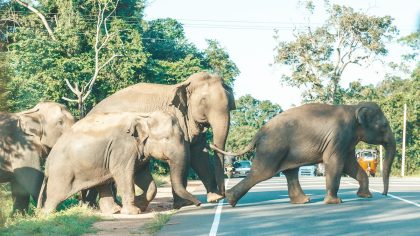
point(42, 60)
point(319, 56)
point(250, 115)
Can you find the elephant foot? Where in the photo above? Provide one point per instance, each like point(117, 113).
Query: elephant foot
point(109, 207)
point(182, 203)
point(130, 210)
point(214, 197)
point(230, 198)
point(300, 199)
point(364, 194)
point(141, 203)
point(332, 200)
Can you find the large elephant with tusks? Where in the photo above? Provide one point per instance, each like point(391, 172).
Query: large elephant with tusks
point(200, 102)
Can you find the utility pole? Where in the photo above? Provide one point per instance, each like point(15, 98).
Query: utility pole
point(403, 141)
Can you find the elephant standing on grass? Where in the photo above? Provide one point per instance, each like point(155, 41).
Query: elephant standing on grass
point(113, 146)
point(25, 139)
point(315, 133)
point(200, 102)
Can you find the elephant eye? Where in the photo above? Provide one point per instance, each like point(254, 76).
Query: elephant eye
point(60, 122)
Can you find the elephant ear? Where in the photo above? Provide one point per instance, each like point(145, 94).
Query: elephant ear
point(139, 128)
point(362, 115)
point(179, 96)
point(30, 125)
point(231, 98)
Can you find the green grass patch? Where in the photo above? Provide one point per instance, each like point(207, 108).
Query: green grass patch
point(6, 203)
point(76, 220)
point(159, 220)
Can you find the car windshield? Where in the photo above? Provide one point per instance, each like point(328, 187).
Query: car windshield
point(242, 164)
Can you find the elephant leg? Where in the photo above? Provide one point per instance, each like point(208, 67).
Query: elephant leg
point(144, 180)
point(20, 198)
point(263, 167)
point(89, 196)
point(200, 162)
point(353, 169)
point(57, 189)
point(106, 199)
point(125, 184)
point(333, 167)
point(295, 190)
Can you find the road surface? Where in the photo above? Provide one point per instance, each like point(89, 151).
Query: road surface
point(266, 210)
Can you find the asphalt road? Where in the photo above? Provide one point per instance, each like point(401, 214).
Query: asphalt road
point(266, 210)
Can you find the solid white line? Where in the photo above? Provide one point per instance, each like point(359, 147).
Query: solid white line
point(391, 195)
point(216, 221)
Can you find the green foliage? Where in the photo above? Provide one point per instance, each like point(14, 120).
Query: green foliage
point(218, 60)
point(73, 221)
point(4, 79)
point(6, 203)
point(250, 115)
point(319, 56)
point(154, 51)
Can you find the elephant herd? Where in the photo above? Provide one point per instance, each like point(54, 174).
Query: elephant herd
point(119, 136)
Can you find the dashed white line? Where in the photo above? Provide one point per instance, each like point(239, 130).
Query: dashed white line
point(216, 220)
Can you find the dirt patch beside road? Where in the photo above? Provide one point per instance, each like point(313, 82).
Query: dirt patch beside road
point(118, 224)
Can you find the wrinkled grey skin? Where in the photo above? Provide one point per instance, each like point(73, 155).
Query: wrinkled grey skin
point(111, 146)
point(25, 139)
point(315, 133)
point(202, 101)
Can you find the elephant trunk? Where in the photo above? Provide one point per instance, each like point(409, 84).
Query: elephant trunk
point(220, 126)
point(179, 170)
point(390, 150)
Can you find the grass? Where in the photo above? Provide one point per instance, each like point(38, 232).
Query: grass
point(76, 220)
point(159, 220)
point(71, 219)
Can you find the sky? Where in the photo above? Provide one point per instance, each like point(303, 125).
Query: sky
point(245, 28)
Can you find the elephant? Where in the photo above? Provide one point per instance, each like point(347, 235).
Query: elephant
point(111, 146)
point(315, 133)
point(25, 140)
point(200, 102)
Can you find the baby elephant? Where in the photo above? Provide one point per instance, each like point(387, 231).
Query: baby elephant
point(102, 147)
point(316, 133)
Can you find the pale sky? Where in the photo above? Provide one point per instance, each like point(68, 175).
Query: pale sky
point(245, 28)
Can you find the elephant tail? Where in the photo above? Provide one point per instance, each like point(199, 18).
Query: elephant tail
point(42, 193)
point(250, 147)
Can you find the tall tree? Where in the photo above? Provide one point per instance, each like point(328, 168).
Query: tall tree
point(319, 56)
point(218, 61)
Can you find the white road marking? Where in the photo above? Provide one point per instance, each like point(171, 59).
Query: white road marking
point(216, 221)
point(391, 195)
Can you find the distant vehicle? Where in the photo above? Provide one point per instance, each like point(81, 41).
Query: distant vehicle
point(241, 168)
point(368, 160)
point(307, 170)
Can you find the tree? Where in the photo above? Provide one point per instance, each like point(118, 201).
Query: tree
point(318, 57)
point(250, 115)
point(102, 37)
point(219, 62)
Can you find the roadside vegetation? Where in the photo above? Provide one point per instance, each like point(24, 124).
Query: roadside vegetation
point(159, 220)
point(71, 218)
